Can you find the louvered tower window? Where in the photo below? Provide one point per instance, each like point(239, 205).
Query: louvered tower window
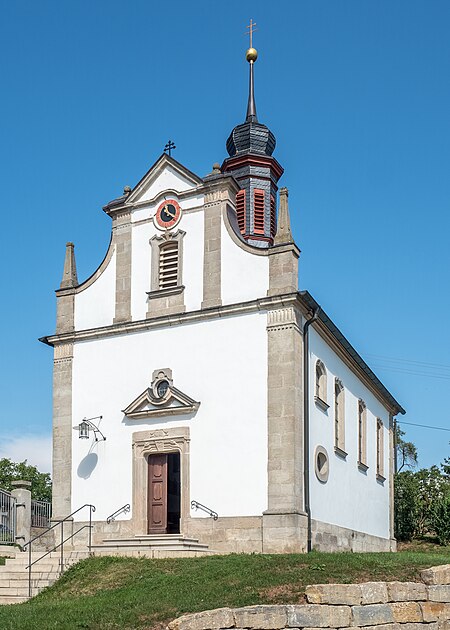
point(258, 211)
point(273, 217)
point(168, 265)
point(240, 210)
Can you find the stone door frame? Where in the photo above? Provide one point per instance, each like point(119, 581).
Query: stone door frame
point(145, 443)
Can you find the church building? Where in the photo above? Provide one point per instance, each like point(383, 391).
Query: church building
point(200, 398)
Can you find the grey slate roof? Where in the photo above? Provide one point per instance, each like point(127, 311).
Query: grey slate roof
point(251, 137)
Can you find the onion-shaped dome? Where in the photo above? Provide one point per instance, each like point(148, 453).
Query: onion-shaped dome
point(251, 137)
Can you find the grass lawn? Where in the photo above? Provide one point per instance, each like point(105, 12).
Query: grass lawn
point(139, 593)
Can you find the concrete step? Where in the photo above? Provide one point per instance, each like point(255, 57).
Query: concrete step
point(18, 575)
point(154, 539)
point(22, 591)
point(12, 599)
point(143, 552)
point(23, 560)
point(23, 584)
point(177, 542)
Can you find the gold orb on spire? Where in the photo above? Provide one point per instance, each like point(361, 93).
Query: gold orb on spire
point(251, 55)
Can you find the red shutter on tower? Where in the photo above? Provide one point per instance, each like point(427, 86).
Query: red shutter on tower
point(240, 210)
point(258, 211)
point(273, 217)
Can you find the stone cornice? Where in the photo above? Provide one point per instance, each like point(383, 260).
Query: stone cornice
point(301, 301)
point(284, 247)
point(263, 304)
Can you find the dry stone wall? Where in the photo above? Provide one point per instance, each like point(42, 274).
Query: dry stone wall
point(370, 606)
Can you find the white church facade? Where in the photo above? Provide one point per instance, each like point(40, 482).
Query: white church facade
point(213, 378)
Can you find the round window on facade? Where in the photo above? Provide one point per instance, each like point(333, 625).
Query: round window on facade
point(322, 464)
point(162, 388)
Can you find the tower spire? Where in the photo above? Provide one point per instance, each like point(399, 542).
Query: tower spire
point(251, 56)
point(250, 146)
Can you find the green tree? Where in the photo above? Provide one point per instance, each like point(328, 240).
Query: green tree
point(406, 451)
point(407, 505)
point(41, 485)
point(433, 486)
point(446, 467)
point(440, 518)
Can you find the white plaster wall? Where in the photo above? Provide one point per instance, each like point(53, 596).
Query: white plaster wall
point(146, 211)
point(168, 178)
point(245, 276)
point(210, 363)
point(192, 264)
point(350, 498)
point(95, 305)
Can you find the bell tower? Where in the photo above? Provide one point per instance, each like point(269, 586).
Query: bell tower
point(250, 147)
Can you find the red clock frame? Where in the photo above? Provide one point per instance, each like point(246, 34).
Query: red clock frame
point(169, 207)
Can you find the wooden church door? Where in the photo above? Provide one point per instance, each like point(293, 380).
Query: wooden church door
point(157, 494)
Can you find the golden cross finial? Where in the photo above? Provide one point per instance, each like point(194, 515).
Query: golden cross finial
point(251, 29)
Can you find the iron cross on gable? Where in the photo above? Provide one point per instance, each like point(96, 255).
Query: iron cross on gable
point(169, 147)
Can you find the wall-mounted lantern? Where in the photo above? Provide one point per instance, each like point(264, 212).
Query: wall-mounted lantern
point(86, 425)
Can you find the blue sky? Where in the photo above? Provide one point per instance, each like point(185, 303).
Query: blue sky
point(357, 93)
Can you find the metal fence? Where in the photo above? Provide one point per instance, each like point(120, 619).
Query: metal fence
point(41, 513)
point(7, 518)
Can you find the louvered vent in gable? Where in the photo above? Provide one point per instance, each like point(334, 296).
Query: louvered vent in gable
point(240, 210)
point(273, 216)
point(168, 265)
point(258, 211)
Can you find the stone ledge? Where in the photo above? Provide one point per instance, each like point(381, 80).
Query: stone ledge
point(367, 606)
point(436, 575)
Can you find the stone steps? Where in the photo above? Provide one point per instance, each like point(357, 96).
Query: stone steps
point(14, 587)
point(14, 574)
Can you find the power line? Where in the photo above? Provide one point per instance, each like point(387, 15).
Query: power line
point(418, 363)
point(424, 426)
point(445, 377)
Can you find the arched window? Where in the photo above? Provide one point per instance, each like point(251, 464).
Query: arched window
point(380, 448)
point(166, 295)
point(321, 383)
point(362, 433)
point(339, 417)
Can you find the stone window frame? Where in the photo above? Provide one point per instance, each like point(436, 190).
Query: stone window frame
point(157, 242)
point(153, 442)
point(380, 450)
point(320, 385)
point(339, 418)
point(362, 436)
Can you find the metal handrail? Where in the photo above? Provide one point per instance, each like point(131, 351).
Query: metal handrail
point(195, 505)
point(112, 517)
point(60, 544)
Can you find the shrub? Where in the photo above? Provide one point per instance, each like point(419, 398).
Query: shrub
point(440, 519)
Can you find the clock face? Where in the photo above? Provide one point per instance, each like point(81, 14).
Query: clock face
point(168, 214)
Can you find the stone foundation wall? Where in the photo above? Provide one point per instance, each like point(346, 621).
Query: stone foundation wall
point(369, 606)
point(327, 537)
point(240, 534)
point(100, 531)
